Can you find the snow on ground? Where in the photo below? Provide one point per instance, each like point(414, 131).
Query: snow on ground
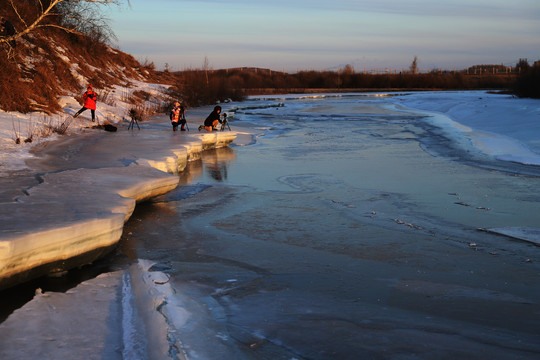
point(502, 126)
point(38, 126)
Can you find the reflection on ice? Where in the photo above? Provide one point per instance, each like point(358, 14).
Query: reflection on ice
point(216, 162)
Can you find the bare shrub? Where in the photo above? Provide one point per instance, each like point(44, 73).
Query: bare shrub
point(141, 94)
point(16, 132)
point(31, 131)
point(126, 96)
point(142, 111)
point(64, 125)
point(136, 97)
point(46, 127)
point(59, 126)
point(106, 97)
point(147, 64)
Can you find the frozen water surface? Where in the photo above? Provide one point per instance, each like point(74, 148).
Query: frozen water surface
point(349, 230)
point(340, 235)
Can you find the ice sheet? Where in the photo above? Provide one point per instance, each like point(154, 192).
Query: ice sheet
point(528, 234)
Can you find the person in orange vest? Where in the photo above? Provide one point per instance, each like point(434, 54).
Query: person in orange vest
point(90, 98)
point(178, 116)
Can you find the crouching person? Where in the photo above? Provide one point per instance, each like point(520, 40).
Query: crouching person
point(212, 120)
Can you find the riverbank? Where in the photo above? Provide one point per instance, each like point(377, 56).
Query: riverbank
point(69, 208)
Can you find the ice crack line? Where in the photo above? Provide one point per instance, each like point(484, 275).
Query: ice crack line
point(134, 344)
point(176, 350)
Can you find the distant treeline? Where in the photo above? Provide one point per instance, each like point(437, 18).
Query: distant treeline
point(198, 87)
point(528, 81)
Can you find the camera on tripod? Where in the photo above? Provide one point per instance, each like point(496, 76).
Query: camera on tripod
point(224, 123)
point(135, 115)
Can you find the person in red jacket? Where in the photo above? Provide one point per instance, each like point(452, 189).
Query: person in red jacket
point(89, 102)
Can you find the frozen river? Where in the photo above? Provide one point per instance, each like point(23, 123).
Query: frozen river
point(340, 235)
point(355, 227)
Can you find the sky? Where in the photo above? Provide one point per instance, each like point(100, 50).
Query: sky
point(293, 35)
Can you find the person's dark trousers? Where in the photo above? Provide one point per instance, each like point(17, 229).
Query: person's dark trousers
point(83, 109)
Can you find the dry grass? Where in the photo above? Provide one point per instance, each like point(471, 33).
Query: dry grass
point(58, 125)
point(142, 111)
point(16, 131)
point(49, 125)
point(106, 97)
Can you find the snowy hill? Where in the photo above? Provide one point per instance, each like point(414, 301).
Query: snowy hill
point(43, 83)
point(48, 65)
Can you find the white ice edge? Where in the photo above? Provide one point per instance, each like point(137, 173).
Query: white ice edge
point(188, 326)
point(507, 122)
point(499, 146)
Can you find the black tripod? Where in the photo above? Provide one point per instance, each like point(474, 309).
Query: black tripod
point(185, 122)
point(225, 123)
point(133, 116)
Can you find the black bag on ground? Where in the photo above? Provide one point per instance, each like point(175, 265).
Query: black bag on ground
point(108, 127)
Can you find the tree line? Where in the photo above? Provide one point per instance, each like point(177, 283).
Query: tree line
point(203, 86)
point(528, 81)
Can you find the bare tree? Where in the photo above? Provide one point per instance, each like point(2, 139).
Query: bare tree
point(69, 11)
point(348, 70)
point(414, 65)
point(522, 65)
point(206, 65)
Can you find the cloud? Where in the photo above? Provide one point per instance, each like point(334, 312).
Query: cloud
point(524, 9)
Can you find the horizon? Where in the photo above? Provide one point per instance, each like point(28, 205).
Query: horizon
point(377, 71)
